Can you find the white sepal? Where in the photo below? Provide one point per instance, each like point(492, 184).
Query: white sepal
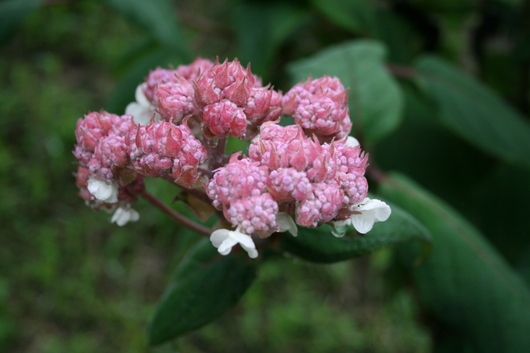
point(224, 240)
point(286, 223)
point(102, 190)
point(371, 211)
point(123, 215)
point(142, 110)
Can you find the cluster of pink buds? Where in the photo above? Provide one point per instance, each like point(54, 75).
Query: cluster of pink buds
point(306, 174)
point(320, 107)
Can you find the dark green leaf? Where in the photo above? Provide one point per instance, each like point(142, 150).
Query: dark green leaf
point(261, 29)
point(464, 282)
point(354, 15)
point(375, 99)
point(12, 14)
point(319, 245)
point(203, 289)
point(158, 17)
point(475, 113)
point(197, 255)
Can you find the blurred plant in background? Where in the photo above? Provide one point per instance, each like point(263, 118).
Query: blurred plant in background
point(439, 93)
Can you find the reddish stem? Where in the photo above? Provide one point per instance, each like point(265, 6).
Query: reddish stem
point(175, 215)
point(401, 71)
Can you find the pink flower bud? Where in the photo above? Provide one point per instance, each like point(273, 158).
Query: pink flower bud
point(184, 72)
point(254, 214)
point(101, 144)
point(156, 77)
point(322, 206)
point(224, 118)
point(240, 179)
point(288, 184)
point(175, 99)
point(263, 105)
point(228, 80)
point(320, 107)
point(92, 128)
point(163, 148)
point(192, 71)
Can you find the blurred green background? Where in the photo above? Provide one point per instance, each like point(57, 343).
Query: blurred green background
point(72, 282)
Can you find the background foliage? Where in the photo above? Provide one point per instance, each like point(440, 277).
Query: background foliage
point(439, 92)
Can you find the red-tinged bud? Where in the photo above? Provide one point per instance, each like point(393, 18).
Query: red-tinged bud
point(102, 146)
point(263, 105)
point(166, 149)
point(238, 92)
point(224, 118)
point(175, 100)
point(183, 72)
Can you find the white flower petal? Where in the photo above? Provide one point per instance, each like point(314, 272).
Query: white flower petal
point(363, 223)
point(141, 115)
point(140, 97)
point(226, 246)
point(224, 240)
point(218, 236)
point(123, 215)
point(102, 190)
point(286, 223)
point(371, 211)
point(351, 141)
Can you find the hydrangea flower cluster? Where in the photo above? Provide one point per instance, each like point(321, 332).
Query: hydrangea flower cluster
point(305, 174)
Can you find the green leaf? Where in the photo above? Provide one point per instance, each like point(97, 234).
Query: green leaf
point(261, 29)
point(319, 245)
point(375, 99)
point(158, 17)
point(12, 15)
point(464, 282)
point(353, 15)
point(474, 112)
point(203, 288)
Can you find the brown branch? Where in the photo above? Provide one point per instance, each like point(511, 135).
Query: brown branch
point(175, 215)
point(401, 71)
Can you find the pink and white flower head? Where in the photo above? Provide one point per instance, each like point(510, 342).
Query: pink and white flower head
point(306, 174)
point(162, 148)
point(320, 107)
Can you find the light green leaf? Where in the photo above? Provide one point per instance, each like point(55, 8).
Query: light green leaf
point(474, 112)
point(12, 14)
point(319, 245)
point(375, 99)
point(204, 287)
point(158, 17)
point(464, 282)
